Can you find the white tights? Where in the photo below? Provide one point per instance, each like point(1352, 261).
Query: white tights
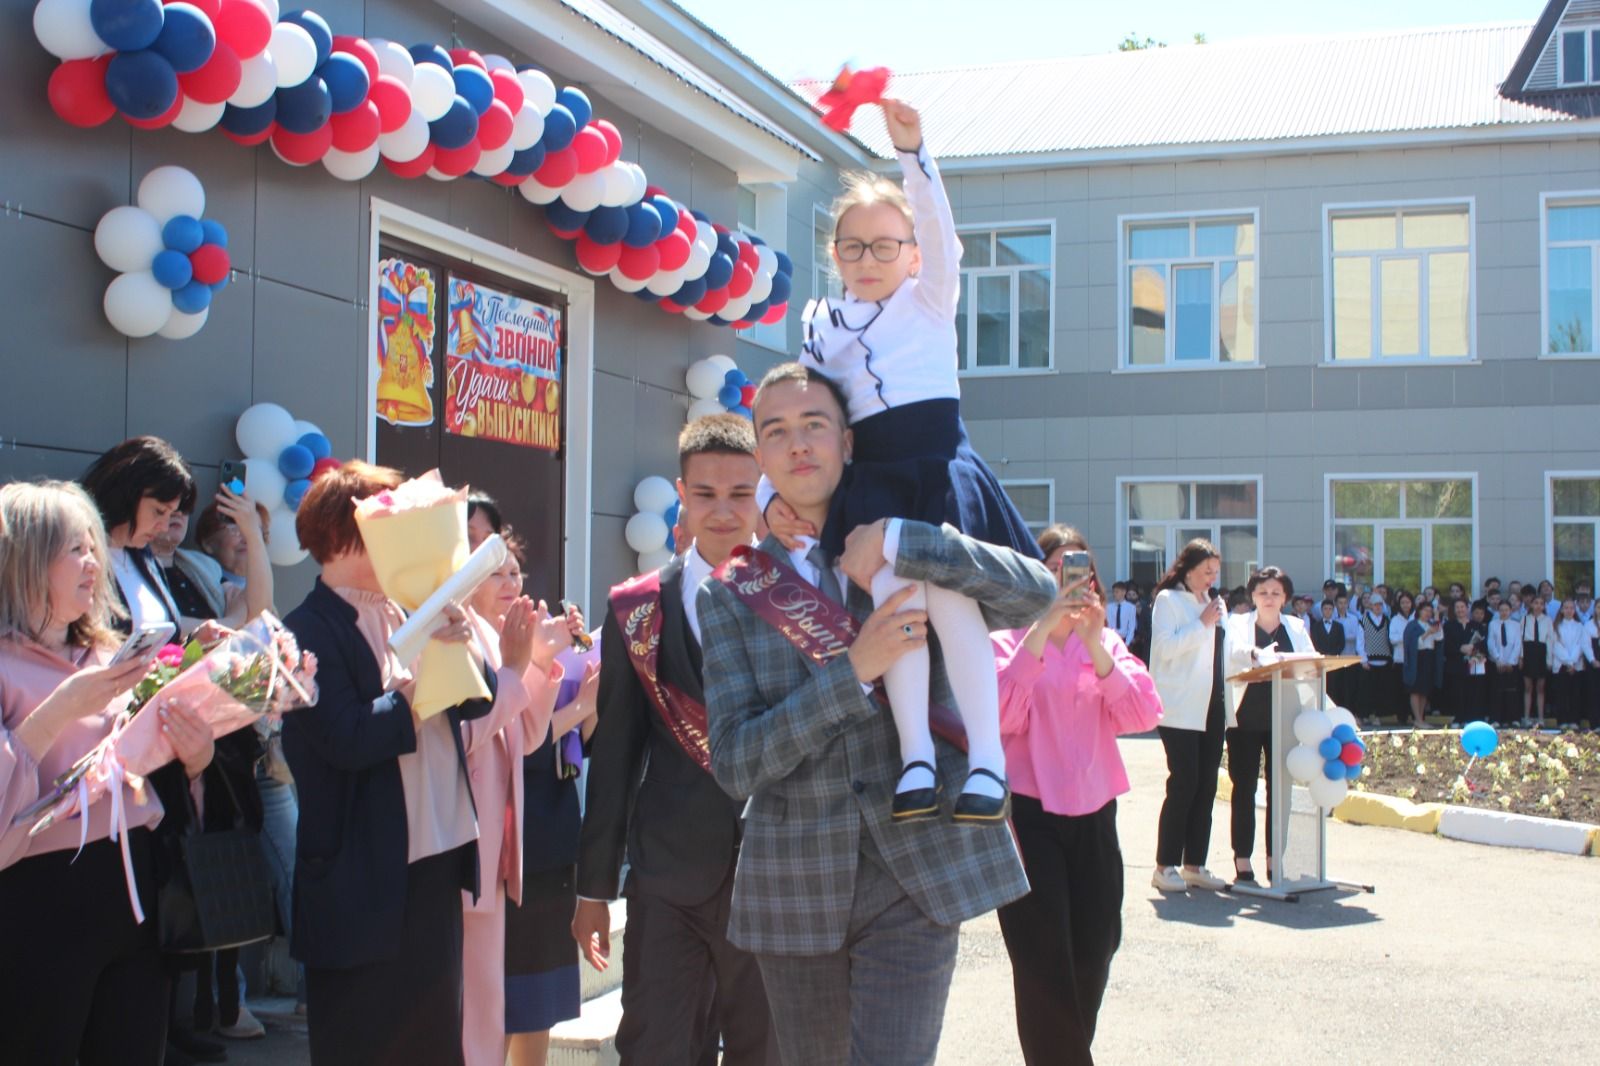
point(969, 663)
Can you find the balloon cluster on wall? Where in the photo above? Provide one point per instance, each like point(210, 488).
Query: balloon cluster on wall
point(348, 102)
point(718, 386)
point(170, 259)
point(650, 531)
point(282, 457)
point(1328, 756)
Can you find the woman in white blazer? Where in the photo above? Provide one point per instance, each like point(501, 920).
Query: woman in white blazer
point(1251, 640)
point(1185, 649)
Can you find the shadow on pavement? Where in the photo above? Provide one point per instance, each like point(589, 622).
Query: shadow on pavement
point(1219, 910)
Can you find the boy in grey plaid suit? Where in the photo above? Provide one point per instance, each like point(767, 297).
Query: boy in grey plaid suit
point(854, 919)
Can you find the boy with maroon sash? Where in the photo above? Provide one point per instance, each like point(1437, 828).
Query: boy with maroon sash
point(650, 793)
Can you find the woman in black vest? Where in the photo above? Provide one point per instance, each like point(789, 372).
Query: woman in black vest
point(1378, 688)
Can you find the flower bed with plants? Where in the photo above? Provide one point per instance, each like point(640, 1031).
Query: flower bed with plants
point(1548, 776)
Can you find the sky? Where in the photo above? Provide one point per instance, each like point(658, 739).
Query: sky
point(812, 38)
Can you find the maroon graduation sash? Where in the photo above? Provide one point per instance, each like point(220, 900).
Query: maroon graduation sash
point(637, 605)
point(819, 628)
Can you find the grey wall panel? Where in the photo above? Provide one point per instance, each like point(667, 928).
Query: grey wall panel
point(612, 453)
point(610, 561)
point(25, 463)
point(482, 208)
point(307, 228)
point(310, 356)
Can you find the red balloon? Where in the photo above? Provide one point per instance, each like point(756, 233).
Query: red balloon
point(303, 148)
point(650, 190)
point(217, 80)
point(495, 126)
point(595, 257)
point(362, 49)
point(675, 250)
point(743, 278)
point(775, 313)
point(508, 89)
point(742, 325)
point(78, 92)
point(713, 301)
point(613, 137)
point(357, 129)
point(564, 234)
point(325, 466)
point(1350, 754)
point(250, 140)
point(747, 395)
point(393, 100)
point(412, 168)
point(639, 264)
point(160, 120)
point(456, 161)
point(558, 169)
point(749, 257)
point(244, 26)
point(210, 7)
point(591, 149)
point(719, 227)
point(459, 56)
point(509, 180)
point(210, 263)
point(669, 305)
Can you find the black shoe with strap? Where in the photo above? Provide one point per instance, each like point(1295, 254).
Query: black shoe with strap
point(917, 804)
point(976, 808)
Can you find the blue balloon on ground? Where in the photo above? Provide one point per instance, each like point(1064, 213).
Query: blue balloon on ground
point(1479, 739)
point(172, 269)
point(526, 161)
point(691, 293)
point(669, 213)
point(432, 53)
point(577, 103)
point(347, 81)
point(1343, 733)
point(183, 233)
point(317, 444)
point(474, 85)
point(127, 25)
point(736, 377)
point(192, 298)
point(729, 396)
point(456, 127)
point(305, 108)
point(296, 461)
point(782, 287)
point(187, 37)
point(141, 85)
point(1329, 748)
point(294, 492)
point(607, 225)
point(559, 129)
point(644, 226)
point(565, 218)
point(1333, 770)
point(317, 26)
point(785, 264)
point(249, 121)
point(214, 232)
point(718, 271)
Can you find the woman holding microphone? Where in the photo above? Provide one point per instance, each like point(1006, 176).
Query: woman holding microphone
point(1068, 688)
point(1186, 663)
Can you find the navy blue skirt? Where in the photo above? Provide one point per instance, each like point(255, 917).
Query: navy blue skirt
point(915, 462)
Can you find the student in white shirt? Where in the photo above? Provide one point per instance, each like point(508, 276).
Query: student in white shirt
point(1121, 615)
point(1571, 654)
point(1505, 662)
point(1404, 606)
point(1536, 627)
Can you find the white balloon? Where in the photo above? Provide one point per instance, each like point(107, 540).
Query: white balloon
point(698, 315)
point(263, 430)
point(438, 175)
point(65, 30)
point(735, 309)
point(1338, 716)
point(654, 494)
point(180, 326)
point(723, 363)
point(137, 304)
point(536, 193)
point(409, 141)
point(169, 191)
point(394, 60)
point(128, 239)
point(616, 185)
point(710, 405)
point(761, 287)
point(1327, 793)
point(654, 560)
point(538, 90)
point(528, 128)
point(699, 262)
point(493, 62)
point(264, 483)
point(283, 546)
point(641, 182)
point(705, 378)
point(273, 10)
point(665, 282)
point(494, 161)
point(646, 532)
point(258, 80)
point(705, 236)
point(625, 283)
point(583, 192)
point(195, 117)
point(768, 260)
point(351, 166)
point(433, 90)
point(1304, 764)
point(1312, 728)
point(294, 53)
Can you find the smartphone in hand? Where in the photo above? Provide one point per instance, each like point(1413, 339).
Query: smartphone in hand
point(1075, 566)
point(143, 643)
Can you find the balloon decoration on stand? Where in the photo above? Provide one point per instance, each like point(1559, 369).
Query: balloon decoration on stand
point(282, 457)
point(351, 103)
point(650, 531)
point(717, 386)
point(1328, 756)
point(170, 259)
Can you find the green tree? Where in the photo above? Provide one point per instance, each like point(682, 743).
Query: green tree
point(1131, 43)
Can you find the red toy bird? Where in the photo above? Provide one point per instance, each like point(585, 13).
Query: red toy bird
point(851, 89)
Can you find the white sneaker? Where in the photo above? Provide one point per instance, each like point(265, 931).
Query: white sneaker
point(246, 1027)
point(1202, 878)
point(1168, 879)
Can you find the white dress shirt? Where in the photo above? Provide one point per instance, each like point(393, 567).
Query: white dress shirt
point(695, 571)
point(1536, 628)
point(1570, 645)
point(1122, 616)
point(1505, 642)
point(1397, 637)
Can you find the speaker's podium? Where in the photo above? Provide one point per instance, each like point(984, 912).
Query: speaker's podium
point(1296, 836)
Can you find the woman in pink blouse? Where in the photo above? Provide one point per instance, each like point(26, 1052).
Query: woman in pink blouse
point(1068, 688)
point(82, 981)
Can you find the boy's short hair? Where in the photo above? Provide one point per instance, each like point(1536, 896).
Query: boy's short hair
point(1123, 585)
point(726, 434)
point(785, 372)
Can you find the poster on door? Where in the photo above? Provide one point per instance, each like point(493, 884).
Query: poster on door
point(502, 368)
point(405, 343)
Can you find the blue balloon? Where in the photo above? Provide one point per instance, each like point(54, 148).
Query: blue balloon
point(742, 411)
point(671, 514)
point(736, 378)
point(785, 264)
point(187, 37)
point(718, 320)
point(647, 296)
point(223, 284)
point(172, 269)
point(1344, 734)
point(719, 271)
point(192, 298)
point(127, 25)
point(668, 212)
point(526, 161)
point(214, 232)
point(1333, 770)
point(142, 85)
point(183, 234)
point(644, 226)
point(754, 239)
point(700, 216)
point(295, 491)
point(249, 121)
point(1352, 772)
point(347, 81)
point(296, 462)
point(1479, 739)
point(757, 310)
point(305, 108)
point(672, 539)
point(432, 53)
point(729, 396)
point(565, 218)
point(691, 293)
point(782, 287)
point(474, 84)
point(317, 26)
point(1329, 748)
point(559, 129)
point(728, 246)
point(456, 127)
point(607, 225)
point(577, 103)
point(317, 444)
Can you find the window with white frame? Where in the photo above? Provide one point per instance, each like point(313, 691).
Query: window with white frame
point(1005, 319)
point(1574, 530)
point(1572, 262)
point(1579, 59)
point(824, 278)
point(1404, 533)
point(1161, 516)
point(763, 212)
point(1189, 290)
point(1400, 282)
point(1035, 500)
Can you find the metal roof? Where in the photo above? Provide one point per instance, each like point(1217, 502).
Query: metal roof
point(1230, 92)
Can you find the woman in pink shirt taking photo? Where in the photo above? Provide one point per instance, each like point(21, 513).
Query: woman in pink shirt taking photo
point(1068, 688)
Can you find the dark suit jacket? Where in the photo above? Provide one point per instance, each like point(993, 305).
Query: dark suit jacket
point(350, 848)
point(1327, 638)
point(644, 793)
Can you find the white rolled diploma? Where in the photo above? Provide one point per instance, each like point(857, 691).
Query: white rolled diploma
point(409, 640)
